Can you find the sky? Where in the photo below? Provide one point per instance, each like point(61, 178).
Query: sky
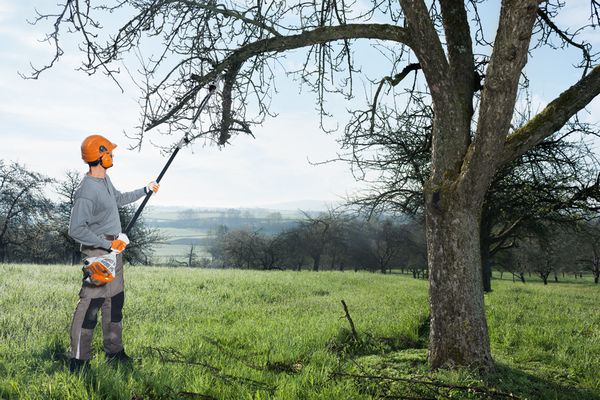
point(44, 121)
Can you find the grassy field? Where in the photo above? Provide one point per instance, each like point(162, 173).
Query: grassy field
point(231, 334)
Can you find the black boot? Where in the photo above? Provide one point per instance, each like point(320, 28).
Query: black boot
point(76, 365)
point(120, 357)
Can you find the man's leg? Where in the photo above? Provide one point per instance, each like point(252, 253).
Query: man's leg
point(84, 321)
point(112, 316)
point(112, 328)
point(85, 318)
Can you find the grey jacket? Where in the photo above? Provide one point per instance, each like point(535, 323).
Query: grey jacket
point(95, 211)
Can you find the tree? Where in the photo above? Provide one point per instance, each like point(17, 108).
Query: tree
point(550, 249)
point(315, 234)
point(24, 210)
point(142, 237)
point(473, 97)
point(216, 247)
point(387, 242)
point(192, 257)
point(66, 190)
point(589, 245)
point(414, 249)
point(556, 180)
point(240, 249)
point(270, 250)
point(294, 256)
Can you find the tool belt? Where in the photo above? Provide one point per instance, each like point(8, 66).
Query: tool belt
point(107, 237)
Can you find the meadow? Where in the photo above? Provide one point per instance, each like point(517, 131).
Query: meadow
point(233, 334)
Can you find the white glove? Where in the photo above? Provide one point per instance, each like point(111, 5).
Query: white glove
point(152, 187)
point(123, 237)
point(119, 244)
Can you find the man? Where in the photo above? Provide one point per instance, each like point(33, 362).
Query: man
point(96, 225)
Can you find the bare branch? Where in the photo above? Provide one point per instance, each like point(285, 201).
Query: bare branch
point(553, 116)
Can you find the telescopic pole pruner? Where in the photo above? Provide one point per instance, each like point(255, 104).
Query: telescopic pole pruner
point(212, 87)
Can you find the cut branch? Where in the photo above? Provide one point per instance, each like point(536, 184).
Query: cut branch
point(349, 318)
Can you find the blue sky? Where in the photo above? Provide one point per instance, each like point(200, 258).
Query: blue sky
point(44, 121)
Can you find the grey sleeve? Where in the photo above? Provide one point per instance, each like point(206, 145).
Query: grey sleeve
point(129, 197)
point(78, 225)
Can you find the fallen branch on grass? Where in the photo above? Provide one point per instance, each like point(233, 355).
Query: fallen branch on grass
point(193, 395)
point(170, 355)
point(187, 395)
point(293, 367)
point(489, 393)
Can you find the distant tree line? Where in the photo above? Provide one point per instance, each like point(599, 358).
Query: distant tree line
point(34, 219)
point(338, 240)
point(333, 240)
point(553, 251)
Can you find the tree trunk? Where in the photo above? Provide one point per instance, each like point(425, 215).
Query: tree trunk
point(486, 263)
point(75, 257)
point(596, 278)
point(316, 262)
point(458, 332)
point(486, 269)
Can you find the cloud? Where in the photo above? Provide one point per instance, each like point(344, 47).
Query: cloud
point(7, 10)
point(271, 168)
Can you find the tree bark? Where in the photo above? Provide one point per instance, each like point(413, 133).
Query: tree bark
point(458, 332)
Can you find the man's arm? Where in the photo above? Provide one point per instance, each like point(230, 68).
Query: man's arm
point(78, 225)
point(129, 197)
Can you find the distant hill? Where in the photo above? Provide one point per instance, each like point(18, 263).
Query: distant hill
point(304, 205)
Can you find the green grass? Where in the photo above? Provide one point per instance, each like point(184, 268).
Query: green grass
point(231, 334)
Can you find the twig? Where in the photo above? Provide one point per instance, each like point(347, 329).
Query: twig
point(177, 358)
point(474, 389)
point(349, 318)
point(193, 395)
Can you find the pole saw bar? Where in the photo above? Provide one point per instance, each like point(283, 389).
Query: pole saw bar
point(212, 87)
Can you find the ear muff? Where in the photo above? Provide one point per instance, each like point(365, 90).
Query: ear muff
point(106, 159)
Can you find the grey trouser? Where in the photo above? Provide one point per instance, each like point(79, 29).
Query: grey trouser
point(109, 298)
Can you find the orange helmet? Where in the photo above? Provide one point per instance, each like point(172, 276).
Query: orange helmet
point(96, 147)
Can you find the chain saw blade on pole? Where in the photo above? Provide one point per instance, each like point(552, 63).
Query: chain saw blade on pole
point(100, 270)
